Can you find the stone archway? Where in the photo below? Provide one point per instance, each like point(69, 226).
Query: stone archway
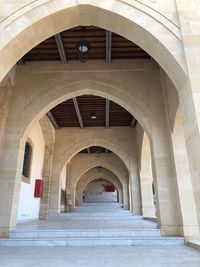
point(94, 174)
point(120, 17)
point(165, 48)
point(65, 149)
point(81, 163)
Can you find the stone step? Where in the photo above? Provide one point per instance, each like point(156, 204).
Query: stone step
point(86, 233)
point(98, 214)
point(97, 217)
point(82, 209)
point(100, 204)
point(100, 209)
point(101, 241)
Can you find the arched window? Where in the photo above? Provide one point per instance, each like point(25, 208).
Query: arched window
point(27, 161)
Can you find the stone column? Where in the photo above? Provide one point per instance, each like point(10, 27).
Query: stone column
point(135, 184)
point(47, 167)
point(189, 18)
point(148, 209)
point(5, 96)
point(168, 202)
point(55, 191)
point(167, 193)
point(11, 161)
point(146, 180)
point(125, 193)
point(188, 205)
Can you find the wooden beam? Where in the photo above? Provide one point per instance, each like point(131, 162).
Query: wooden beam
point(78, 113)
point(107, 113)
point(20, 62)
point(61, 48)
point(133, 122)
point(52, 120)
point(108, 46)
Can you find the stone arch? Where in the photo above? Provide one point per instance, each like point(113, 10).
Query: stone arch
point(65, 151)
point(58, 93)
point(114, 164)
point(93, 174)
point(162, 40)
point(113, 146)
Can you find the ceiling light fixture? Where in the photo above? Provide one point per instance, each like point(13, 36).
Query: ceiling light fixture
point(83, 48)
point(93, 116)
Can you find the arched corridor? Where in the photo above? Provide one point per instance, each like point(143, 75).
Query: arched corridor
point(99, 124)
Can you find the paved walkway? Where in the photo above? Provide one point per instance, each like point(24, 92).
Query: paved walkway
point(97, 217)
point(125, 256)
point(88, 216)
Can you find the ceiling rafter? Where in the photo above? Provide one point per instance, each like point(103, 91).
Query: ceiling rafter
point(105, 45)
point(20, 62)
point(52, 120)
point(108, 46)
point(78, 113)
point(133, 122)
point(61, 48)
point(107, 113)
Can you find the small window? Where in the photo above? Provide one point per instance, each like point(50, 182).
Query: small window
point(27, 161)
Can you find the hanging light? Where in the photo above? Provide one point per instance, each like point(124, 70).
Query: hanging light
point(93, 116)
point(83, 48)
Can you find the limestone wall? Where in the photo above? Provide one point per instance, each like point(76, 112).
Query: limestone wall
point(28, 205)
point(95, 192)
point(165, 8)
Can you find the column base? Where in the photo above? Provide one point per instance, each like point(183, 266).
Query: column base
point(43, 216)
point(4, 231)
point(191, 232)
point(171, 230)
point(53, 212)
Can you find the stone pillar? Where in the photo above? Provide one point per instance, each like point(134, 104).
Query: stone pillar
point(148, 209)
point(47, 167)
point(135, 184)
point(168, 202)
point(55, 191)
point(120, 197)
point(167, 193)
point(5, 96)
point(166, 183)
point(188, 205)
point(156, 198)
point(146, 180)
point(11, 161)
point(189, 18)
point(125, 193)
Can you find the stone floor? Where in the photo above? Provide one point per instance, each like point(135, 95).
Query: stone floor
point(126, 256)
point(95, 218)
point(99, 216)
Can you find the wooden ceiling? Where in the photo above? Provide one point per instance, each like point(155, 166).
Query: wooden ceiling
point(65, 114)
point(95, 149)
point(120, 48)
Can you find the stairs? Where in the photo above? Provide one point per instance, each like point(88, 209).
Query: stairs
point(92, 224)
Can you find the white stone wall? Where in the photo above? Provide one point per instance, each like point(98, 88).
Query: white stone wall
point(95, 192)
point(28, 205)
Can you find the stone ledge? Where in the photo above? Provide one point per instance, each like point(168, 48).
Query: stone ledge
point(152, 219)
point(194, 244)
